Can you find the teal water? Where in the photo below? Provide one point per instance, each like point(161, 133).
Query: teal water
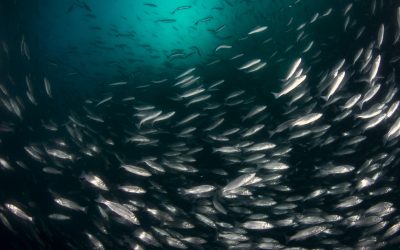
point(129, 38)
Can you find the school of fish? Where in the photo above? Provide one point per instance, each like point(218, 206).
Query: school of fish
point(309, 160)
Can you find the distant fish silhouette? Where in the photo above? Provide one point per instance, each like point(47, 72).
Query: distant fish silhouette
point(150, 4)
point(80, 4)
point(70, 8)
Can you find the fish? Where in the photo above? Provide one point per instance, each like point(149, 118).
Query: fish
point(249, 64)
point(188, 119)
point(227, 149)
point(262, 146)
point(150, 4)
point(347, 9)
point(18, 212)
point(370, 94)
point(187, 72)
point(308, 47)
point(184, 7)
point(117, 84)
point(291, 86)
point(257, 225)
point(164, 117)
point(166, 20)
point(191, 93)
point(59, 154)
point(391, 230)
point(95, 181)
point(275, 166)
point(204, 20)
point(59, 217)
point(238, 182)
point(392, 109)
point(146, 237)
point(253, 130)
point(307, 119)
point(293, 68)
point(381, 34)
point(70, 204)
point(5, 164)
point(398, 17)
point(257, 67)
point(254, 111)
point(120, 210)
point(393, 130)
point(132, 189)
point(136, 170)
point(86, 6)
point(335, 85)
point(215, 124)
point(307, 233)
point(327, 12)
point(148, 117)
point(314, 18)
point(47, 87)
point(95, 242)
point(222, 46)
point(107, 99)
point(160, 81)
point(199, 190)
point(335, 170)
point(348, 202)
point(352, 101)
point(375, 67)
point(218, 29)
point(258, 30)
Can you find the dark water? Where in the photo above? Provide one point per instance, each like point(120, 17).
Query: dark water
point(82, 48)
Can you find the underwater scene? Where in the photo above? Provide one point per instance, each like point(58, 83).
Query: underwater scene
point(199, 124)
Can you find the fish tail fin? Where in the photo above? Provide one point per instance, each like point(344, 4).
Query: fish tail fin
point(385, 140)
point(271, 133)
point(99, 199)
point(276, 95)
point(283, 79)
point(325, 98)
point(182, 191)
point(82, 175)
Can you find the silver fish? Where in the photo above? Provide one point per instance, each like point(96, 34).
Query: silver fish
point(258, 30)
point(291, 86)
point(250, 64)
point(18, 212)
point(136, 170)
point(239, 182)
